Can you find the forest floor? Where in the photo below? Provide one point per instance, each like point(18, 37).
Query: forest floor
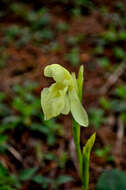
point(93, 35)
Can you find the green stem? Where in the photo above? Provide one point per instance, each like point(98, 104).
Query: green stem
point(83, 164)
point(85, 168)
point(82, 159)
point(76, 135)
point(76, 126)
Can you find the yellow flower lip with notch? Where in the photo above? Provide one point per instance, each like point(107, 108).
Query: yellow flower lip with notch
point(61, 96)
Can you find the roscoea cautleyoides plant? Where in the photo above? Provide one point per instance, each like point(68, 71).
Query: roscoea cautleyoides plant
point(61, 97)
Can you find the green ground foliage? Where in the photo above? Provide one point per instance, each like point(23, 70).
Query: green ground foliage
point(34, 153)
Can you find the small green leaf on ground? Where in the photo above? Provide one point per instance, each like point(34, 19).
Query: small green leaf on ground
point(112, 180)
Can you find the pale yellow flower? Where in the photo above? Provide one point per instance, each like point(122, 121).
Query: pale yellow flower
point(62, 96)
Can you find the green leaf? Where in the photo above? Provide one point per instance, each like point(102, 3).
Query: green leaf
point(63, 179)
point(110, 36)
point(123, 117)
point(104, 153)
point(105, 103)
point(104, 62)
point(112, 180)
point(121, 91)
point(12, 119)
point(80, 81)
point(121, 105)
point(41, 179)
point(62, 27)
point(3, 171)
point(85, 161)
point(119, 53)
point(8, 182)
point(2, 96)
point(50, 156)
point(40, 128)
point(96, 117)
point(122, 35)
point(87, 148)
point(4, 110)
point(73, 57)
point(3, 138)
point(27, 174)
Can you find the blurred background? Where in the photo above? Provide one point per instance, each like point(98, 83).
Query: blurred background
point(37, 154)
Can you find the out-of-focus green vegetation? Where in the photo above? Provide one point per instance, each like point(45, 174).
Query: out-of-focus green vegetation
point(113, 179)
point(24, 23)
point(28, 106)
point(7, 181)
point(104, 153)
point(24, 112)
point(12, 182)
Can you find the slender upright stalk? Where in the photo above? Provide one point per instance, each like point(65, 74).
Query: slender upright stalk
point(76, 126)
point(82, 156)
point(85, 168)
point(76, 135)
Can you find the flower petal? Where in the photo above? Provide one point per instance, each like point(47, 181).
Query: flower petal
point(66, 108)
point(59, 74)
point(78, 112)
point(52, 100)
